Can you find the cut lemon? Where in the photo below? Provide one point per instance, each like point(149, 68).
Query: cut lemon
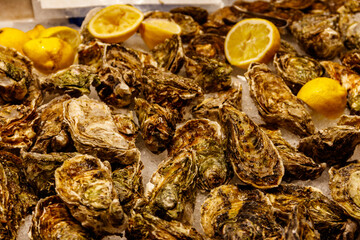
point(251, 40)
point(115, 23)
point(155, 30)
point(13, 38)
point(67, 34)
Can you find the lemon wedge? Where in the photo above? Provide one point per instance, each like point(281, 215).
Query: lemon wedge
point(13, 38)
point(66, 34)
point(251, 40)
point(115, 23)
point(156, 30)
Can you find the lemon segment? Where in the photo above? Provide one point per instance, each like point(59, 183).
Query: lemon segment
point(251, 40)
point(13, 38)
point(67, 34)
point(324, 95)
point(156, 30)
point(115, 23)
point(49, 54)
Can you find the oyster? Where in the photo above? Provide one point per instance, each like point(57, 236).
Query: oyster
point(319, 35)
point(144, 226)
point(328, 217)
point(294, 4)
point(205, 138)
point(350, 120)
point(157, 125)
point(84, 183)
point(351, 60)
point(75, 80)
point(17, 198)
point(210, 107)
point(221, 21)
point(91, 52)
point(344, 185)
point(126, 125)
point(171, 190)
point(254, 158)
point(94, 131)
point(230, 212)
point(333, 145)
point(189, 27)
point(167, 89)
point(52, 220)
point(197, 13)
point(275, 102)
point(169, 54)
point(297, 165)
point(349, 80)
point(210, 74)
point(349, 23)
point(296, 70)
point(208, 45)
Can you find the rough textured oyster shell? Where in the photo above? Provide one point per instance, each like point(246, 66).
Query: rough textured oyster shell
point(197, 13)
point(295, 4)
point(147, 226)
point(126, 125)
point(84, 183)
point(208, 45)
point(189, 27)
point(349, 23)
point(221, 21)
point(319, 35)
point(351, 60)
point(233, 213)
point(157, 125)
point(171, 190)
point(210, 107)
point(328, 217)
point(296, 70)
point(94, 131)
point(205, 138)
point(254, 158)
point(297, 165)
point(275, 102)
point(52, 220)
point(17, 198)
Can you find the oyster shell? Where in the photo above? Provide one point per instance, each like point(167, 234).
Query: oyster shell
point(205, 138)
point(197, 13)
point(171, 190)
point(221, 21)
point(169, 54)
point(319, 35)
point(328, 217)
point(230, 212)
point(333, 145)
point(351, 60)
point(52, 220)
point(296, 70)
point(17, 198)
point(275, 102)
point(344, 185)
point(143, 226)
point(94, 131)
point(157, 125)
point(126, 125)
point(297, 165)
point(208, 45)
point(349, 80)
point(189, 27)
point(254, 158)
point(84, 183)
point(349, 23)
point(294, 4)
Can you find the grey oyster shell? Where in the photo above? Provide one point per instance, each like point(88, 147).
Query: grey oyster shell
point(210, 107)
point(144, 225)
point(52, 220)
point(94, 131)
point(17, 198)
point(171, 190)
point(296, 70)
point(275, 102)
point(230, 212)
point(319, 35)
point(328, 218)
point(344, 185)
point(84, 183)
point(349, 23)
point(157, 125)
point(254, 158)
point(297, 165)
point(205, 138)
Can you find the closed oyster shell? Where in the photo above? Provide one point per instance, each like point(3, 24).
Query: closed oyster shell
point(208, 45)
point(221, 21)
point(205, 138)
point(275, 102)
point(171, 190)
point(349, 23)
point(84, 183)
point(230, 212)
point(254, 158)
point(52, 220)
point(351, 60)
point(94, 131)
point(197, 13)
